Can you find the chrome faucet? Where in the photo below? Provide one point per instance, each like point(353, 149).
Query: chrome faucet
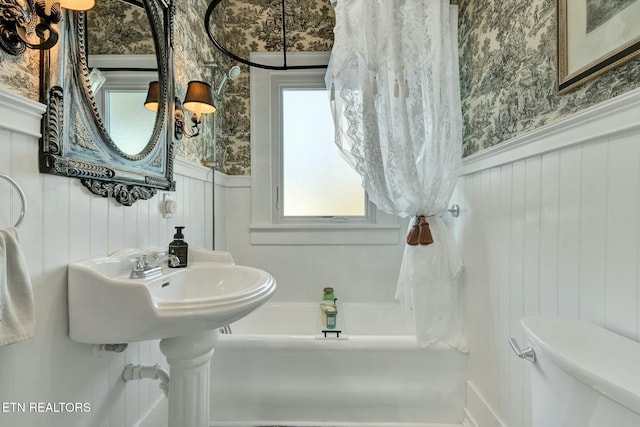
point(154, 258)
point(149, 264)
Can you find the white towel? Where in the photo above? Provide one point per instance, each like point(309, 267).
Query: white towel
point(17, 316)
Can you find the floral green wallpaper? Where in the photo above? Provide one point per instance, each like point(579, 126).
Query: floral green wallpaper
point(508, 74)
point(243, 26)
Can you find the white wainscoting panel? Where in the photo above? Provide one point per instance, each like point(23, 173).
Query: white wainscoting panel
point(549, 232)
point(359, 273)
point(65, 223)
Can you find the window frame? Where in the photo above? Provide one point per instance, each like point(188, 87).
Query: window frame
point(268, 225)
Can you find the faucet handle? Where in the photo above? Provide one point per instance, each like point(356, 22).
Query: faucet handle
point(173, 260)
point(139, 263)
point(153, 258)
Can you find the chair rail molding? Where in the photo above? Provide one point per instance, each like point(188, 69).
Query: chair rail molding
point(20, 114)
point(193, 170)
point(616, 116)
point(236, 181)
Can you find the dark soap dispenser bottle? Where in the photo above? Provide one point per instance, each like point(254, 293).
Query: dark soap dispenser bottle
point(179, 248)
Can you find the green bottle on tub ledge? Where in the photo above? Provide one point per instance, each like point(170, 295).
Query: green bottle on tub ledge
point(329, 309)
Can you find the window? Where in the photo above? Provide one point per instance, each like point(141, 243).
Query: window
point(315, 180)
point(302, 190)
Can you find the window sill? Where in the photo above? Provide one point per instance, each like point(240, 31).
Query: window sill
point(325, 234)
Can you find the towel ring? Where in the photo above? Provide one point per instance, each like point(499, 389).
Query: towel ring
point(22, 197)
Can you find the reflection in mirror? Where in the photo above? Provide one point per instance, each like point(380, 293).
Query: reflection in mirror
point(128, 122)
point(120, 99)
point(120, 48)
point(118, 27)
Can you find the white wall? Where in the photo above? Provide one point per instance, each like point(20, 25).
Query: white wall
point(65, 223)
point(550, 225)
point(359, 273)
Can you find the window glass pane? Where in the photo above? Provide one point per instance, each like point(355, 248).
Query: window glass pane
point(130, 124)
point(317, 181)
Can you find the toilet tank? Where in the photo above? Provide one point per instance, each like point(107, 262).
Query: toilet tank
point(583, 375)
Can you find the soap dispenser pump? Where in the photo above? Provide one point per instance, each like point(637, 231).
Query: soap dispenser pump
point(179, 248)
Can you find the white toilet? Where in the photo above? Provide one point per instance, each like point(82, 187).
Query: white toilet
point(583, 375)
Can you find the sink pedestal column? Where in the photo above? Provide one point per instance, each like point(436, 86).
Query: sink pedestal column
point(188, 359)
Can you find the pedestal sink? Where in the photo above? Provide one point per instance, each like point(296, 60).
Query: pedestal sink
point(181, 307)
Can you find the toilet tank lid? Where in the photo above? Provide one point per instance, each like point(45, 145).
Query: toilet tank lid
point(607, 362)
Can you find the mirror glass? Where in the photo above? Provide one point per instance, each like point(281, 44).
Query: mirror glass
point(96, 127)
point(128, 122)
point(122, 65)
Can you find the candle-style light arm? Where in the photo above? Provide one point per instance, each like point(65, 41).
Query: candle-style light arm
point(20, 22)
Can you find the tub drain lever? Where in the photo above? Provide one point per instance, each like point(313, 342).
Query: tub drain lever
point(526, 354)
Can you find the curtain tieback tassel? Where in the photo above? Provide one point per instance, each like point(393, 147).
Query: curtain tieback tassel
point(420, 233)
point(424, 231)
point(412, 237)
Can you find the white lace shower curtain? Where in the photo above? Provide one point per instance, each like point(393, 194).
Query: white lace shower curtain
point(393, 77)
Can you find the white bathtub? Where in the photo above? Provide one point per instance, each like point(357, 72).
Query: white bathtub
point(273, 370)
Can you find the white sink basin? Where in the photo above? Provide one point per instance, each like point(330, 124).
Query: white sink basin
point(106, 306)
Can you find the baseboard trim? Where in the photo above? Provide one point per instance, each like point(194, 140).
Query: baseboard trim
point(478, 412)
point(156, 415)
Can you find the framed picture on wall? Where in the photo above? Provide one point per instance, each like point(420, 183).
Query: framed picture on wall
point(595, 36)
